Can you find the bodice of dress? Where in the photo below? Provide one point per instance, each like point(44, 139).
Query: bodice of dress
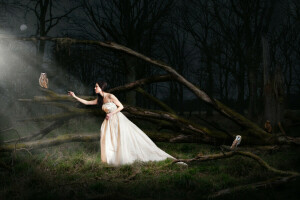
point(109, 107)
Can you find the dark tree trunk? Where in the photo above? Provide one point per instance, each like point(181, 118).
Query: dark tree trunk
point(130, 77)
point(273, 90)
point(279, 96)
point(252, 84)
point(241, 89)
point(180, 96)
point(173, 95)
point(226, 86)
point(210, 83)
point(42, 32)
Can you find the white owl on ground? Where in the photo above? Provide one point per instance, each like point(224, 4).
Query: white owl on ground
point(43, 81)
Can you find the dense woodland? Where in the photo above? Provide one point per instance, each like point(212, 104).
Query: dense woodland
point(208, 70)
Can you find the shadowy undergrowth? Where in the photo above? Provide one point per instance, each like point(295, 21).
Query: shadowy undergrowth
point(75, 170)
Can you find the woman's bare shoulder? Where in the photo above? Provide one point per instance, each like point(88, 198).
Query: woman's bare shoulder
point(111, 95)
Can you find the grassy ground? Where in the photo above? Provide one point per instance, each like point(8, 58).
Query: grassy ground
point(74, 170)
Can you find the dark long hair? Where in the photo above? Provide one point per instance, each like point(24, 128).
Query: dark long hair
point(103, 85)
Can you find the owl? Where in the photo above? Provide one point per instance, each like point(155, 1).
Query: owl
point(43, 81)
point(268, 126)
point(236, 142)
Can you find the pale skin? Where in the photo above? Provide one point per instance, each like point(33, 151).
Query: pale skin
point(106, 98)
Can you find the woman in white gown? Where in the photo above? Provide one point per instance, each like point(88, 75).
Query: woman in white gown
point(121, 142)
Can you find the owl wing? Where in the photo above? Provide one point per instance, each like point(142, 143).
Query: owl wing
point(233, 144)
point(46, 82)
point(41, 80)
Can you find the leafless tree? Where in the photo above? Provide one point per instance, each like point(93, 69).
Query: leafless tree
point(132, 23)
point(48, 14)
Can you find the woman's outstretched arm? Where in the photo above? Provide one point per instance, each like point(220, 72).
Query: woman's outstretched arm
point(85, 102)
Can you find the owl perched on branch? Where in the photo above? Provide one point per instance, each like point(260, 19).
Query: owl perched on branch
point(236, 142)
point(43, 81)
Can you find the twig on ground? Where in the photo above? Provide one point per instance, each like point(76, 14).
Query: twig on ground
point(25, 150)
point(262, 184)
point(261, 162)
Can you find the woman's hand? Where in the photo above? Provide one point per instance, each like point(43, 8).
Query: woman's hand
point(108, 115)
point(70, 93)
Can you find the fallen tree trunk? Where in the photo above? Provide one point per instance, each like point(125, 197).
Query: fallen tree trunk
point(186, 139)
point(222, 155)
point(41, 133)
point(141, 82)
point(53, 97)
point(257, 149)
point(37, 144)
point(205, 135)
point(178, 123)
point(49, 142)
point(251, 128)
point(168, 120)
point(181, 125)
point(289, 140)
point(155, 100)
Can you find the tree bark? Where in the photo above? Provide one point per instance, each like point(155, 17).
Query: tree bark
point(138, 83)
point(210, 85)
point(252, 84)
point(273, 90)
point(241, 88)
point(130, 77)
point(49, 142)
point(67, 138)
point(258, 149)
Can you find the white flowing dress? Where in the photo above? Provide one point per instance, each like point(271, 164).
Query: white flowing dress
point(122, 142)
